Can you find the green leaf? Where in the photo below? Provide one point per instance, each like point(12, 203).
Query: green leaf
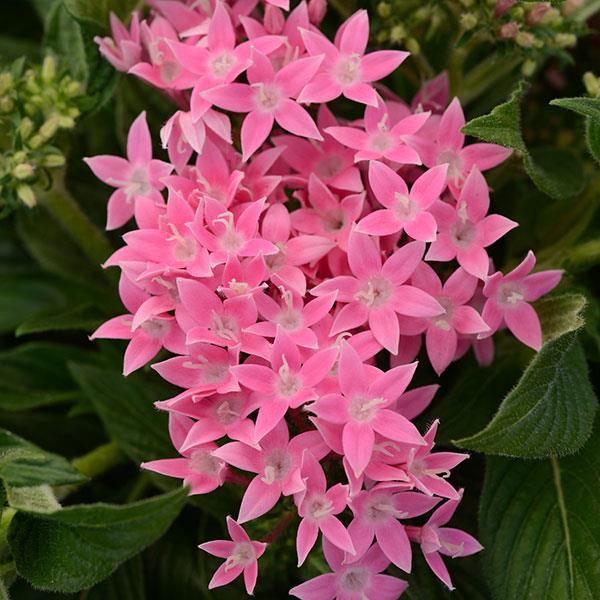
point(467, 405)
point(126, 583)
point(82, 317)
point(589, 108)
point(38, 499)
point(79, 546)
point(24, 295)
point(98, 11)
point(560, 314)
point(24, 465)
point(550, 411)
point(557, 173)
point(35, 374)
point(592, 135)
point(125, 406)
point(539, 524)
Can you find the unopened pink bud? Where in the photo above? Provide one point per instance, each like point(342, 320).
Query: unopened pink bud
point(538, 12)
point(509, 30)
point(502, 6)
point(316, 11)
point(274, 19)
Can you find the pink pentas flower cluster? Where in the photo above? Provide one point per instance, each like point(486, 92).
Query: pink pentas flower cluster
point(278, 252)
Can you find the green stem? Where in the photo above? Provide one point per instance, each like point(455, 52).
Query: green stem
point(64, 208)
point(7, 516)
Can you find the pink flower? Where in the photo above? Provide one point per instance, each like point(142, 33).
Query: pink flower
point(363, 408)
point(377, 293)
point(427, 471)
point(464, 231)
point(289, 383)
point(277, 465)
point(329, 160)
point(360, 579)
point(295, 318)
point(124, 49)
point(376, 514)
point(379, 140)
point(267, 99)
point(326, 214)
point(198, 468)
point(404, 210)
point(346, 70)
point(138, 176)
point(436, 540)
point(508, 297)
point(458, 318)
point(447, 148)
point(226, 234)
point(317, 507)
point(433, 94)
point(241, 556)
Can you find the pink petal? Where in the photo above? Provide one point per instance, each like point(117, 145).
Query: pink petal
point(318, 366)
point(392, 383)
point(385, 182)
point(484, 156)
point(441, 347)
point(220, 548)
point(270, 415)
point(380, 222)
point(436, 564)
point(355, 33)
point(377, 65)
point(337, 534)
point(351, 372)
point(321, 587)
point(413, 302)
point(401, 265)
point(255, 129)
point(358, 440)
point(429, 186)
point(323, 88)
point(255, 377)
point(345, 286)
point(361, 92)
point(258, 499)
point(140, 350)
point(305, 249)
point(476, 195)
point(349, 136)
point(394, 543)
point(221, 33)
point(297, 74)
point(112, 170)
point(250, 577)
point(363, 256)
point(237, 97)
point(538, 284)
point(475, 261)
point(293, 118)
point(172, 467)
point(423, 227)
point(395, 427)
point(452, 121)
point(350, 316)
point(276, 223)
point(240, 455)
point(305, 539)
point(466, 320)
point(139, 143)
point(523, 322)
point(385, 328)
point(494, 227)
point(224, 576)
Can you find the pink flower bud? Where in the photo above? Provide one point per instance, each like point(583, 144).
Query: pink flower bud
point(316, 11)
point(571, 6)
point(538, 12)
point(509, 30)
point(274, 19)
point(502, 6)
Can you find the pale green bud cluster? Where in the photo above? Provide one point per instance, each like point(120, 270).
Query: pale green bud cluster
point(534, 29)
point(36, 104)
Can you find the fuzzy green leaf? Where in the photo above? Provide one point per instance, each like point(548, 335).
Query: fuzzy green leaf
point(560, 314)
point(83, 317)
point(125, 406)
point(557, 173)
point(35, 374)
point(126, 583)
point(539, 524)
point(23, 464)
point(79, 546)
point(98, 11)
point(592, 134)
point(550, 411)
point(38, 499)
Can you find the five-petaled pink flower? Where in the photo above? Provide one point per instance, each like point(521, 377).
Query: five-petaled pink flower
point(135, 177)
point(363, 407)
point(346, 70)
point(352, 581)
point(508, 297)
point(241, 555)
